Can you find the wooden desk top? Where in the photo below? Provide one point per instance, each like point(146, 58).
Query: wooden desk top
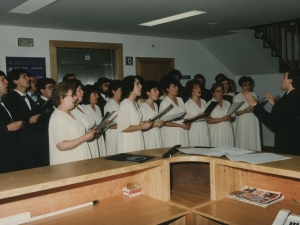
point(234, 212)
point(119, 210)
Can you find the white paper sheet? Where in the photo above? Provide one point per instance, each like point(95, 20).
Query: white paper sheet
point(257, 158)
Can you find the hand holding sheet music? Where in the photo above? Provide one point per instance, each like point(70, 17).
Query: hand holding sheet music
point(104, 120)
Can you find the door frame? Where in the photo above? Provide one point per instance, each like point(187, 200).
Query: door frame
point(54, 44)
point(140, 60)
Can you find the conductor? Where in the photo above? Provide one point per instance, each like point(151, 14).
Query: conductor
point(284, 118)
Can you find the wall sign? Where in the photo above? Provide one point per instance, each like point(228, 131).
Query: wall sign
point(186, 77)
point(87, 57)
point(34, 65)
point(129, 60)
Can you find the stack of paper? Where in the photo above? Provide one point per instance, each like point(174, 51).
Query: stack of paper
point(257, 157)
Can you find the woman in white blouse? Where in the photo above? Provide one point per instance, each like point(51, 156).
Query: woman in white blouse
point(220, 127)
point(152, 137)
point(114, 92)
point(129, 120)
point(198, 134)
point(90, 108)
point(67, 137)
point(175, 132)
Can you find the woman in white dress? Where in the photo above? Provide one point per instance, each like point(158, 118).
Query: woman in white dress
point(199, 133)
point(87, 121)
point(129, 120)
point(175, 132)
point(67, 137)
point(220, 127)
point(247, 133)
point(114, 92)
point(90, 108)
point(152, 137)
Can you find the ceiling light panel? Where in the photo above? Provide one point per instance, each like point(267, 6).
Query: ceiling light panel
point(31, 6)
point(173, 18)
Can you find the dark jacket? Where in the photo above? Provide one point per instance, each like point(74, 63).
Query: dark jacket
point(284, 120)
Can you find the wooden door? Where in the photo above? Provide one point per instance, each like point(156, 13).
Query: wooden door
point(154, 68)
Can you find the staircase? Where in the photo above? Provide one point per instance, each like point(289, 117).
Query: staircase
point(284, 41)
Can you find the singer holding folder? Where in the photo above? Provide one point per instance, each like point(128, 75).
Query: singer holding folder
point(67, 136)
point(114, 92)
point(129, 120)
point(221, 131)
point(152, 137)
point(176, 132)
point(247, 131)
point(198, 134)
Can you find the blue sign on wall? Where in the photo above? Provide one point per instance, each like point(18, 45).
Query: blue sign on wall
point(34, 65)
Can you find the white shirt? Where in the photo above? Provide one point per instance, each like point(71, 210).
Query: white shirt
point(26, 99)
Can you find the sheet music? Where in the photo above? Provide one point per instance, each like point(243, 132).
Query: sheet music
point(234, 107)
point(220, 151)
point(171, 106)
point(174, 116)
point(257, 158)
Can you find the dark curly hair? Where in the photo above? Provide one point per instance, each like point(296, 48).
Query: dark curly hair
point(245, 79)
point(190, 86)
point(59, 91)
point(128, 85)
point(113, 86)
point(88, 90)
point(166, 81)
point(148, 85)
point(294, 74)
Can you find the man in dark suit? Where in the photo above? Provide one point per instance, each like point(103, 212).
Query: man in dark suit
point(284, 118)
point(102, 85)
point(8, 161)
point(205, 93)
point(20, 107)
point(45, 108)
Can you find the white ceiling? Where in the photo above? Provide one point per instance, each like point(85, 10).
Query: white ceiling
point(123, 16)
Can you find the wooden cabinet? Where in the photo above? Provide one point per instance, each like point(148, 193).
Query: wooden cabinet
point(47, 189)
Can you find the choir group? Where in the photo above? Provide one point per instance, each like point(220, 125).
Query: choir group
point(58, 125)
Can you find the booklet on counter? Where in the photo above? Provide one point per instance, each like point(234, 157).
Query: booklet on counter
point(256, 196)
point(132, 158)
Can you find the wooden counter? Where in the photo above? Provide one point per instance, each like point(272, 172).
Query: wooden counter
point(47, 189)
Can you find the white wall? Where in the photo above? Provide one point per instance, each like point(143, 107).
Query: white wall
point(190, 56)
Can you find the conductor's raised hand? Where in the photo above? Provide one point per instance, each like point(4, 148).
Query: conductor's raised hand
point(270, 98)
point(250, 99)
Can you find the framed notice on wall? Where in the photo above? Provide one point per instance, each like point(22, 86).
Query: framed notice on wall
point(34, 65)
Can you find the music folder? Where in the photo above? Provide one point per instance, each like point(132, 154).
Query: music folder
point(195, 118)
point(234, 107)
point(159, 115)
point(171, 151)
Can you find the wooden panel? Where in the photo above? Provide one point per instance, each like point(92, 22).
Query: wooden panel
point(44, 178)
point(154, 68)
point(288, 186)
point(64, 197)
point(119, 210)
point(190, 173)
point(226, 179)
point(200, 220)
point(53, 44)
point(234, 212)
point(190, 195)
point(151, 182)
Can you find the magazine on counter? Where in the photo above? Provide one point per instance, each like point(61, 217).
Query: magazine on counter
point(256, 196)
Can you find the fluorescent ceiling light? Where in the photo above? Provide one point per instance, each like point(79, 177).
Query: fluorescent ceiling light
point(173, 18)
point(31, 6)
